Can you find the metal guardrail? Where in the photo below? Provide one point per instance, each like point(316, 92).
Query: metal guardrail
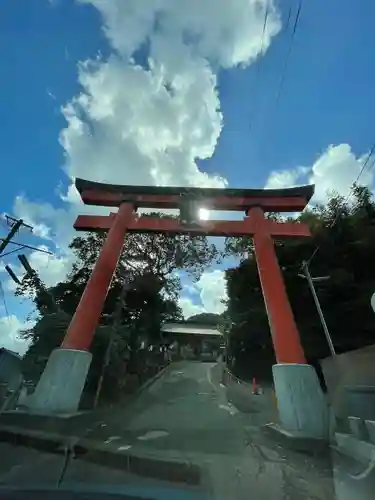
point(228, 375)
point(9, 397)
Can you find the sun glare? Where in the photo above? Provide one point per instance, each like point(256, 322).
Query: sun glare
point(204, 214)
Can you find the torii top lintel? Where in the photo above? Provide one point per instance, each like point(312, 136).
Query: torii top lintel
point(270, 200)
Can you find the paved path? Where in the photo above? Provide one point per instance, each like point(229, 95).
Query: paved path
point(185, 416)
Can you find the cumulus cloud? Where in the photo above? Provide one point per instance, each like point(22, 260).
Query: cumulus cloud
point(213, 291)
point(9, 334)
point(189, 308)
point(223, 33)
point(211, 288)
point(149, 124)
point(50, 223)
point(335, 170)
point(280, 179)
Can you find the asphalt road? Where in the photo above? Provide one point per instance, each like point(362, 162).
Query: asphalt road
point(185, 417)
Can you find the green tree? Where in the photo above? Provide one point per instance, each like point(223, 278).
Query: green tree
point(205, 319)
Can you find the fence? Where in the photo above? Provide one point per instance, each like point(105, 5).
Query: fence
point(260, 404)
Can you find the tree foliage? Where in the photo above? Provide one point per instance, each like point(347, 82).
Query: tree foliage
point(210, 319)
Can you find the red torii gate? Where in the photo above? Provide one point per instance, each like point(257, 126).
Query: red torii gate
point(301, 404)
point(255, 203)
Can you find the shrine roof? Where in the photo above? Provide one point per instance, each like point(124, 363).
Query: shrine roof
point(186, 328)
point(287, 199)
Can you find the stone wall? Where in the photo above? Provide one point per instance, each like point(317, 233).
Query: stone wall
point(348, 370)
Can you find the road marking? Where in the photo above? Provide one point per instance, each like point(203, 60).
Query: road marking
point(153, 435)
point(229, 408)
point(125, 447)
point(209, 377)
point(112, 438)
point(366, 472)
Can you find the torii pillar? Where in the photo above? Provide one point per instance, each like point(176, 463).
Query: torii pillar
point(303, 412)
point(302, 409)
point(61, 385)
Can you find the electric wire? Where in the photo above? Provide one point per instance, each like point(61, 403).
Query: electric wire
point(257, 67)
point(287, 59)
point(289, 53)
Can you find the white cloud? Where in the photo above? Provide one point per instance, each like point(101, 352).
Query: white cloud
point(226, 34)
point(51, 268)
point(9, 334)
point(138, 133)
point(189, 308)
point(149, 125)
point(280, 179)
point(49, 222)
point(336, 169)
point(55, 227)
point(212, 291)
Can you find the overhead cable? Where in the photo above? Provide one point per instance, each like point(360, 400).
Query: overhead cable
point(257, 66)
point(287, 59)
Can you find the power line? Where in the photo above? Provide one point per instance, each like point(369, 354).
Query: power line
point(264, 27)
point(365, 163)
point(338, 213)
point(22, 245)
point(288, 18)
point(257, 67)
point(288, 56)
point(15, 225)
point(287, 59)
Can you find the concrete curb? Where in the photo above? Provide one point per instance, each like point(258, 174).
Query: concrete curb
point(103, 454)
point(133, 397)
point(296, 442)
point(152, 380)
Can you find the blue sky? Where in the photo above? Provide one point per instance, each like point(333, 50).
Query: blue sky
point(326, 99)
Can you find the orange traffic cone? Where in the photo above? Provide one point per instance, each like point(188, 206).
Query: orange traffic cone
point(255, 388)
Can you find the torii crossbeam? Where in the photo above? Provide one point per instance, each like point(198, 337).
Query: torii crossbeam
point(301, 404)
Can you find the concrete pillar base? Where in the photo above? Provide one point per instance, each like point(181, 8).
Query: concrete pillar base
point(301, 403)
point(60, 387)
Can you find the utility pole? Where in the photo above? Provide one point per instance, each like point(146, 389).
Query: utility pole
point(15, 227)
point(16, 224)
point(310, 281)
